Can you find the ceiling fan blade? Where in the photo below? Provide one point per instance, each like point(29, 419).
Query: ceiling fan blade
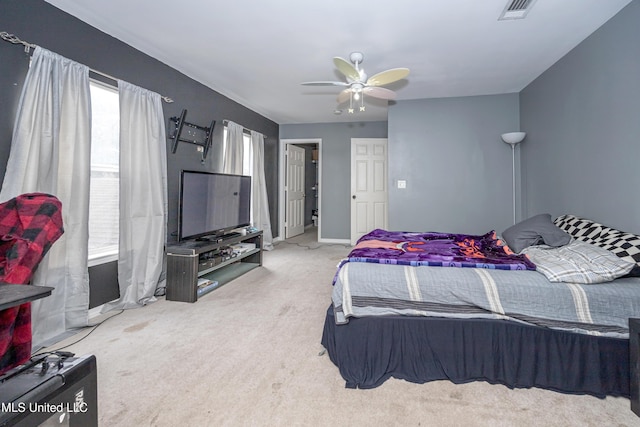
point(325, 84)
point(389, 76)
point(344, 96)
point(346, 68)
point(379, 92)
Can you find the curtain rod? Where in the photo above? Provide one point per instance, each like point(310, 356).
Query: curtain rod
point(11, 38)
point(244, 129)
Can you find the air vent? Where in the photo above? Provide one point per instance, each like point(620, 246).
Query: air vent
point(516, 9)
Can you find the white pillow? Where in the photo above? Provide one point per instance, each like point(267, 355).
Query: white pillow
point(578, 262)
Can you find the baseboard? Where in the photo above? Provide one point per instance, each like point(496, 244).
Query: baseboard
point(95, 311)
point(338, 241)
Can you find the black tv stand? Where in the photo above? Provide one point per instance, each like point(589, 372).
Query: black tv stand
point(218, 238)
point(230, 235)
point(210, 262)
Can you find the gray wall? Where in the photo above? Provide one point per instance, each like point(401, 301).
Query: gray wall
point(582, 118)
point(336, 165)
point(38, 22)
point(458, 170)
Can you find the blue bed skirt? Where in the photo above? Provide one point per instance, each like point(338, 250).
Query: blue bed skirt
point(370, 350)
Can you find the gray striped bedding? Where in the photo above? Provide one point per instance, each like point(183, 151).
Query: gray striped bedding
point(366, 289)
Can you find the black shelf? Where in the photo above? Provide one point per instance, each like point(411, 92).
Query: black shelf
point(201, 259)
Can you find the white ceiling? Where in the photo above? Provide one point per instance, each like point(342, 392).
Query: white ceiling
point(258, 52)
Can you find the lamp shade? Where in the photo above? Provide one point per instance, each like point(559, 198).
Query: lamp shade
point(513, 137)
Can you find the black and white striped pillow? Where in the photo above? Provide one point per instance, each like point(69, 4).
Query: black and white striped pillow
point(624, 245)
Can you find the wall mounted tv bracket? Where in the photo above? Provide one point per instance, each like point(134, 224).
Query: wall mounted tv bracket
point(193, 134)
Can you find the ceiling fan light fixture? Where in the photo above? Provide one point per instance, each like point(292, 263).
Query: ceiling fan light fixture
point(350, 110)
point(359, 84)
point(356, 57)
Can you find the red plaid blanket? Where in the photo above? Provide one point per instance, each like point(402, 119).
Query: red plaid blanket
point(29, 225)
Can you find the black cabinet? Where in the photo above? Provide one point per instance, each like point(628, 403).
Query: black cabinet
point(51, 388)
point(195, 268)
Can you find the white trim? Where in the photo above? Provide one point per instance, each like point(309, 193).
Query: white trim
point(337, 241)
point(103, 257)
point(95, 311)
point(281, 174)
point(103, 85)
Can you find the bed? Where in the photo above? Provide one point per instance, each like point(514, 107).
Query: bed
point(435, 306)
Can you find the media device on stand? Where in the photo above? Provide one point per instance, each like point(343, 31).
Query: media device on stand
point(215, 243)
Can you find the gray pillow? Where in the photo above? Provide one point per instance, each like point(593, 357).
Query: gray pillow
point(534, 231)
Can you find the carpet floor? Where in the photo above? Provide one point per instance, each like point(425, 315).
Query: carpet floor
point(249, 354)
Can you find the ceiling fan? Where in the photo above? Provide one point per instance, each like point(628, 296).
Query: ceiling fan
point(359, 84)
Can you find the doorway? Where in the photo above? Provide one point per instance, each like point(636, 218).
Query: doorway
point(369, 186)
point(298, 213)
point(294, 191)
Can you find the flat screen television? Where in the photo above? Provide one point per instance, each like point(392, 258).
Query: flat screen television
point(212, 204)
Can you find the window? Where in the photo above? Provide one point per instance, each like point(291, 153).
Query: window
point(247, 159)
point(247, 155)
point(105, 174)
point(247, 152)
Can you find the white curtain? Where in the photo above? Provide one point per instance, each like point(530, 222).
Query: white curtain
point(233, 149)
point(51, 153)
point(143, 196)
point(259, 202)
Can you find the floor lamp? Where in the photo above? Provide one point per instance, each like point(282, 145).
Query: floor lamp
point(513, 139)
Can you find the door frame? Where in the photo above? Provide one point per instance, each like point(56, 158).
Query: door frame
point(281, 180)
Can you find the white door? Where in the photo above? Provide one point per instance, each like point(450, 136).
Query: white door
point(294, 191)
point(369, 193)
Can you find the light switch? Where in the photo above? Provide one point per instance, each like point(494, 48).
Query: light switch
point(402, 183)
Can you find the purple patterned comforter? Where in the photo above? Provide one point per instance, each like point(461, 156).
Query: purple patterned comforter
point(437, 249)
